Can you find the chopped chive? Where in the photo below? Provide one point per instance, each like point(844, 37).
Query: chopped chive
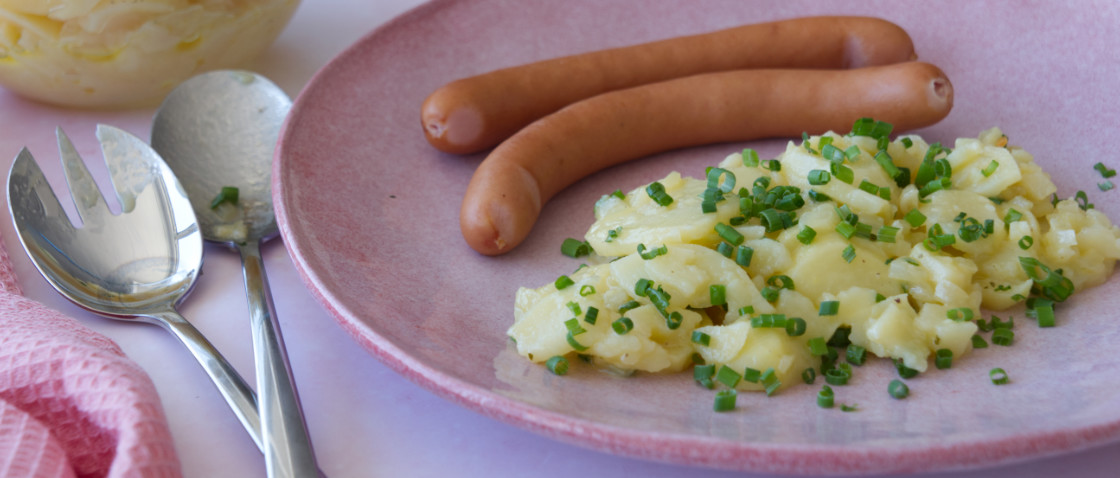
point(575, 343)
point(563, 282)
point(903, 370)
point(846, 230)
point(573, 327)
point(628, 306)
point(674, 320)
point(825, 397)
point(574, 307)
point(750, 158)
point(1106, 186)
point(887, 234)
point(856, 354)
point(557, 365)
point(818, 346)
point(796, 326)
point(586, 290)
point(915, 218)
point(829, 307)
point(843, 173)
point(656, 191)
point(727, 376)
point(1044, 313)
point(943, 359)
point(868, 187)
point(770, 381)
point(725, 249)
point(228, 194)
point(729, 234)
point(650, 254)
point(849, 408)
point(642, 287)
point(743, 256)
point(809, 375)
point(1083, 201)
point(746, 310)
point(718, 294)
point(978, 342)
point(780, 281)
point(752, 375)
point(990, 168)
point(818, 177)
point(725, 400)
point(960, 314)
point(701, 372)
point(849, 254)
point(575, 248)
point(592, 315)
point(1026, 242)
point(887, 164)
point(806, 235)
point(907, 142)
point(836, 376)
point(1104, 170)
point(771, 294)
point(998, 376)
point(622, 326)
point(701, 338)
point(613, 234)
point(898, 390)
point(1003, 337)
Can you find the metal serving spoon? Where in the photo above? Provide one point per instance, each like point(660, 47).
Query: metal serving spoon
point(137, 265)
point(218, 131)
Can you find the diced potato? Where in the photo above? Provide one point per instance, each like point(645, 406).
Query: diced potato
point(739, 346)
point(638, 219)
point(983, 169)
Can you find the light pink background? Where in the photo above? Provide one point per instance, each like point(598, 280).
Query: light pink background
point(367, 420)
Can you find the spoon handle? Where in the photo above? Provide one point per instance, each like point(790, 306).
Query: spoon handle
point(287, 445)
point(230, 384)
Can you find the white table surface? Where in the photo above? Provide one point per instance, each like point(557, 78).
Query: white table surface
point(365, 420)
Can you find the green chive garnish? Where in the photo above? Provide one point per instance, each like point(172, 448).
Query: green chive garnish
point(701, 338)
point(943, 359)
point(998, 376)
point(825, 397)
point(622, 326)
point(727, 376)
point(729, 234)
point(1002, 336)
point(725, 400)
point(563, 282)
point(228, 194)
point(718, 294)
point(829, 307)
point(849, 254)
point(656, 191)
point(898, 390)
point(915, 218)
point(557, 365)
point(575, 247)
point(806, 235)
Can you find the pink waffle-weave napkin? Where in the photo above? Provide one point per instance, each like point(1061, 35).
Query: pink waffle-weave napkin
point(71, 402)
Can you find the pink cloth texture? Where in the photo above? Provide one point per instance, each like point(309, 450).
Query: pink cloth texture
point(71, 402)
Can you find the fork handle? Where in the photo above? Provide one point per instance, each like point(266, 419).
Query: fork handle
point(230, 384)
point(287, 445)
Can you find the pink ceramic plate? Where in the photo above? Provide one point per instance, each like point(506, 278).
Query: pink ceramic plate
point(370, 213)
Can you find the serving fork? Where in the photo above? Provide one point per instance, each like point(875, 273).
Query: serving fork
point(135, 266)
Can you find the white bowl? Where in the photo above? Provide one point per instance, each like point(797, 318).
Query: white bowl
point(113, 54)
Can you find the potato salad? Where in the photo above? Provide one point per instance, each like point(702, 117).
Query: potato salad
point(891, 247)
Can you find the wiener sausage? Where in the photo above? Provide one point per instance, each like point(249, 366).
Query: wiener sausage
point(509, 187)
point(476, 113)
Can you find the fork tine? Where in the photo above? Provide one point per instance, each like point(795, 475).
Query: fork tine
point(131, 163)
point(30, 197)
point(83, 189)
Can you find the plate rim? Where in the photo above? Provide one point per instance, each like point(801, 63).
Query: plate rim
point(665, 447)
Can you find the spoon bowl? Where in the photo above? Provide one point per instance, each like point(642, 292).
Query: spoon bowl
point(218, 133)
